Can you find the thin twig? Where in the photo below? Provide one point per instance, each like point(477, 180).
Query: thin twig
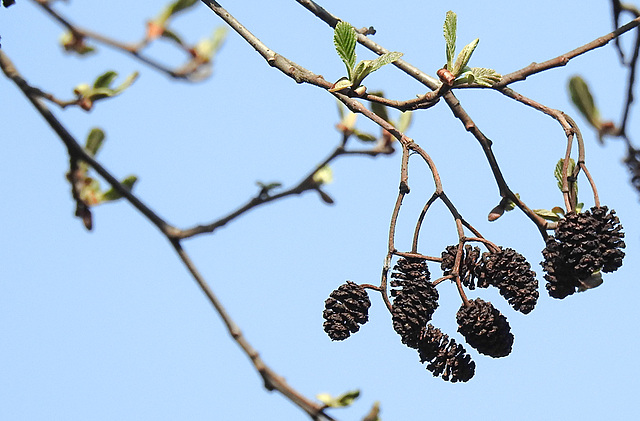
point(272, 381)
point(563, 59)
point(306, 184)
point(185, 72)
point(76, 152)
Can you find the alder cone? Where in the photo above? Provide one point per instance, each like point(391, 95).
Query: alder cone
point(610, 235)
point(445, 357)
point(468, 265)
point(510, 272)
point(346, 309)
point(485, 329)
point(414, 301)
point(584, 243)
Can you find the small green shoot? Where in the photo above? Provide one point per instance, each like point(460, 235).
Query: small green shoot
point(101, 89)
point(345, 39)
point(157, 26)
point(458, 70)
point(341, 401)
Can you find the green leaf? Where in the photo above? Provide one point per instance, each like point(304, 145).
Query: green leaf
point(181, 5)
point(450, 27)
point(94, 141)
point(345, 38)
point(348, 398)
point(583, 100)
point(379, 109)
point(170, 10)
point(557, 173)
point(464, 57)
point(101, 86)
point(366, 67)
point(484, 77)
point(365, 137)
point(343, 400)
point(385, 58)
point(404, 121)
point(105, 79)
point(360, 72)
point(112, 194)
point(547, 214)
point(268, 186)
point(265, 189)
point(172, 36)
point(127, 82)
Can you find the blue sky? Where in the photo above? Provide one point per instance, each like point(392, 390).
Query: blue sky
point(108, 325)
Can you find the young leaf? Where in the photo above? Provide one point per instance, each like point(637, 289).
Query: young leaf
point(557, 173)
point(450, 24)
point(582, 99)
point(345, 38)
point(463, 57)
point(172, 36)
point(365, 137)
point(360, 72)
point(404, 121)
point(348, 398)
point(127, 82)
point(105, 79)
point(484, 77)
point(341, 84)
point(94, 141)
point(546, 214)
point(366, 67)
point(386, 58)
point(180, 5)
point(156, 27)
point(266, 187)
point(112, 194)
point(379, 109)
point(343, 400)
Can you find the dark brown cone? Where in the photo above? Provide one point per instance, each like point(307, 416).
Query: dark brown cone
point(346, 309)
point(446, 358)
point(510, 272)
point(414, 301)
point(583, 244)
point(468, 265)
point(485, 329)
